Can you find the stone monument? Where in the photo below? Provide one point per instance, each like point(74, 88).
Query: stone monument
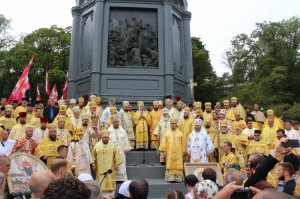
point(131, 49)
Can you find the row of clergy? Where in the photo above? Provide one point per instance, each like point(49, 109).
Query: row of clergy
point(94, 108)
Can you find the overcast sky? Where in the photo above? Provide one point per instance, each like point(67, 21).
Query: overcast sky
point(216, 22)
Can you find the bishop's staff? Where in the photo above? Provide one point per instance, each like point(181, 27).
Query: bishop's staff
point(74, 139)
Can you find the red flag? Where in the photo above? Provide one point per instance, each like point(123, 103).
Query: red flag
point(38, 94)
point(47, 84)
point(65, 88)
point(54, 94)
point(22, 85)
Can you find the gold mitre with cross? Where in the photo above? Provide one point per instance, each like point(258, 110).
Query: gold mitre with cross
point(197, 104)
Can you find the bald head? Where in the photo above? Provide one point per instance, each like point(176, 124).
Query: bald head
point(4, 164)
point(4, 135)
point(39, 182)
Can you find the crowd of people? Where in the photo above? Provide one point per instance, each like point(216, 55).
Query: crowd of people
point(80, 137)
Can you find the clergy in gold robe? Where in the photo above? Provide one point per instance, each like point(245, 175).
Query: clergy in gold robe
point(212, 132)
point(240, 141)
point(222, 136)
point(169, 105)
point(269, 133)
point(71, 106)
point(222, 116)
point(99, 107)
point(238, 121)
point(155, 115)
point(35, 121)
point(106, 157)
point(68, 122)
point(18, 130)
point(235, 106)
point(142, 120)
point(186, 126)
point(22, 108)
point(174, 148)
point(229, 111)
point(197, 108)
point(257, 145)
point(127, 122)
point(113, 112)
point(62, 132)
point(76, 117)
point(81, 105)
point(160, 130)
point(270, 114)
point(179, 114)
point(228, 157)
point(7, 120)
point(92, 99)
point(208, 111)
point(47, 148)
point(93, 135)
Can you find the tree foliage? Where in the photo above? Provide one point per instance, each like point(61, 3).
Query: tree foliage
point(50, 45)
point(207, 89)
point(268, 60)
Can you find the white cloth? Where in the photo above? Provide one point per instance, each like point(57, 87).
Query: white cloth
point(120, 139)
point(293, 135)
point(7, 146)
point(83, 157)
point(124, 188)
point(248, 131)
point(199, 143)
point(39, 134)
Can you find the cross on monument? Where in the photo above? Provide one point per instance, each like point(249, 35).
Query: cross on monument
point(192, 84)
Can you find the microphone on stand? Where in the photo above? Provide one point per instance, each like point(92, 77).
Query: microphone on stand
point(108, 171)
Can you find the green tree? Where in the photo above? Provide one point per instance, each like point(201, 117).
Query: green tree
point(50, 45)
point(207, 89)
point(6, 40)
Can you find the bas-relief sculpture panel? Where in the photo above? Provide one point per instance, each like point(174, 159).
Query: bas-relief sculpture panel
point(132, 38)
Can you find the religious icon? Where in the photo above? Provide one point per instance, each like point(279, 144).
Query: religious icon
point(23, 165)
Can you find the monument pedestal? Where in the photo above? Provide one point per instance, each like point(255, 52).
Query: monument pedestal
point(131, 50)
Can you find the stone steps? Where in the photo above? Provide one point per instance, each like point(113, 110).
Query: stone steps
point(153, 174)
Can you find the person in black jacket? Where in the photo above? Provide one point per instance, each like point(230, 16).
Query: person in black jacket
point(285, 172)
point(50, 111)
point(292, 158)
point(267, 165)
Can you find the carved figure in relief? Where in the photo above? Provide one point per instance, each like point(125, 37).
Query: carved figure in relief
point(136, 56)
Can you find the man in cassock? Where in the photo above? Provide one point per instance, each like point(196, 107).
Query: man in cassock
point(106, 156)
point(25, 144)
point(62, 132)
point(79, 154)
point(155, 115)
point(35, 120)
point(7, 119)
point(222, 136)
point(42, 131)
point(258, 115)
point(239, 121)
point(269, 133)
point(179, 114)
point(229, 112)
point(118, 136)
point(208, 111)
point(161, 128)
point(142, 120)
point(76, 117)
point(62, 113)
point(174, 148)
point(228, 157)
point(211, 132)
point(127, 122)
point(199, 146)
point(237, 107)
point(18, 130)
point(47, 148)
point(257, 145)
point(186, 126)
point(22, 108)
point(271, 114)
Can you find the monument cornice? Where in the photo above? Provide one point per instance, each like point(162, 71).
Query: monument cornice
point(187, 15)
point(87, 6)
point(76, 11)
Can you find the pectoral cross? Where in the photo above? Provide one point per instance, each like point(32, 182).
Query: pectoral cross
point(192, 84)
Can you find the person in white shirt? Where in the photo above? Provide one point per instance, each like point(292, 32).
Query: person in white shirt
point(6, 145)
point(106, 112)
point(291, 133)
point(42, 131)
point(249, 131)
point(199, 146)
